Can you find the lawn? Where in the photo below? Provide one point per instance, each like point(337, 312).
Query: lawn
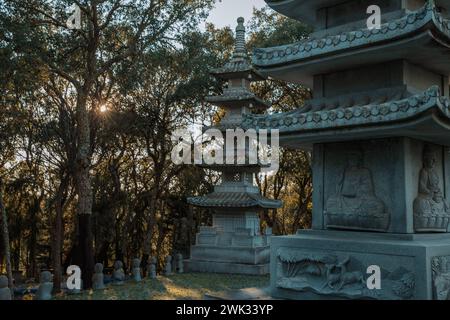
point(179, 286)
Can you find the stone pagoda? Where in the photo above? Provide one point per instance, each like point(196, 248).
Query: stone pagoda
point(378, 126)
point(234, 243)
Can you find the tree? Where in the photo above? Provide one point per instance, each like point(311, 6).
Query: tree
point(113, 33)
point(293, 181)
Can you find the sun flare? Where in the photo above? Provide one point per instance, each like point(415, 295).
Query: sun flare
point(103, 108)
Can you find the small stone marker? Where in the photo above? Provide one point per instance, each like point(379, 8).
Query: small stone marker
point(118, 275)
point(180, 265)
point(151, 267)
point(136, 271)
point(5, 292)
point(46, 286)
point(97, 278)
point(168, 266)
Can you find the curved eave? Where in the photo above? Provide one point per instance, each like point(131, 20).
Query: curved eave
point(302, 10)
point(231, 101)
point(228, 73)
point(425, 116)
point(238, 200)
point(251, 168)
point(422, 37)
point(305, 10)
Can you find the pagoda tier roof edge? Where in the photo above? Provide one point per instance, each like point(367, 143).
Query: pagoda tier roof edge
point(234, 200)
point(426, 17)
point(408, 109)
point(305, 10)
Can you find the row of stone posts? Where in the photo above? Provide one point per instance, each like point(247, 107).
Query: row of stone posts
point(44, 291)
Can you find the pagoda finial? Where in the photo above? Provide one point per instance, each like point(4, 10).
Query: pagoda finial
point(240, 50)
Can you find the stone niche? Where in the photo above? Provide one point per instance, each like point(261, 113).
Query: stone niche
point(373, 185)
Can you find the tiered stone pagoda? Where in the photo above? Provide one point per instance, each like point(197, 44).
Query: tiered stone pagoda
point(234, 243)
point(379, 130)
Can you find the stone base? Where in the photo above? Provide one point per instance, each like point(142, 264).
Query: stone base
point(326, 264)
point(226, 267)
point(227, 259)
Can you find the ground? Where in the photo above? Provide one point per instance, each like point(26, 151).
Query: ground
point(179, 286)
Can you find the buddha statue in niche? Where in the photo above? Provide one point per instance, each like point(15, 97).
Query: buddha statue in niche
point(431, 211)
point(355, 205)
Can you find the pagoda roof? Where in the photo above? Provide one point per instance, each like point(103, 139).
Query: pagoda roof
point(421, 37)
point(251, 168)
point(238, 69)
point(238, 97)
point(234, 200)
point(305, 10)
point(424, 115)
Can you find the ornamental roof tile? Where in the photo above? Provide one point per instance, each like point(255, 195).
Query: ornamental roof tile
point(310, 48)
point(234, 200)
point(386, 108)
point(236, 97)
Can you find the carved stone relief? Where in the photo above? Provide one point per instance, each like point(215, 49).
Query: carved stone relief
point(431, 210)
point(338, 275)
point(440, 268)
point(355, 204)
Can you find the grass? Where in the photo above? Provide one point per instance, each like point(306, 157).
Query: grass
point(189, 286)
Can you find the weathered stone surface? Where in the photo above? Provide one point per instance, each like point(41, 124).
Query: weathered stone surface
point(118, 275)
point(366, 44)
point(226, 267)
point(392, 173)
point(168, 266)
point(45, 288)
point(431, 210)
point(180, 263)
point(136, 270)
point(355, 204)
point(5, 292)
point(440, 267)
point(98, 278)
point(310, 265)
point(378, 126)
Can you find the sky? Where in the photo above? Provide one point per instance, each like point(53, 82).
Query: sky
point(227, 11)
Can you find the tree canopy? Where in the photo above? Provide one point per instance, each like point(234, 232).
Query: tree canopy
point(86, 119)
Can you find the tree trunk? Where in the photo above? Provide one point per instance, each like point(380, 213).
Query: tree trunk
point(58, 235)
point(84, 190)
point(5, 233)
point(147, 250)
point(86, 249)
point(32, 240)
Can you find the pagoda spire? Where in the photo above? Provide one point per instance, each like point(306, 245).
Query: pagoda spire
point(239, 66)
point(240, 51)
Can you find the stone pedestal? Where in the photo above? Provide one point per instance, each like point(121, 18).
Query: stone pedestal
point(240, 251)
point(381, 202)
point(413, 266)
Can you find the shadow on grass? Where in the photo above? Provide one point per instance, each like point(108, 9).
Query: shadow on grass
point(180, 286)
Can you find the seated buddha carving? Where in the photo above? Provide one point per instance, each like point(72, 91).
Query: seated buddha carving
point(355, 205)
point(431, 211)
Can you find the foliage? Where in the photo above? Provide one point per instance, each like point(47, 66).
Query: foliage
point(104, 101)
